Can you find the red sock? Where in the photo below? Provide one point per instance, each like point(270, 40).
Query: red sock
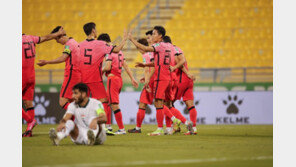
point(118, 117)
point(140, 117)
point(167, 112)
point(168, 122)
point(159, 117)
point(108, 112)
point(178, 114)
point(66, 105)
point(31, 112)
point(26, 116)
point(193, 115)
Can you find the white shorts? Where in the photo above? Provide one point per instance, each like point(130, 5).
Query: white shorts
point(82, 135)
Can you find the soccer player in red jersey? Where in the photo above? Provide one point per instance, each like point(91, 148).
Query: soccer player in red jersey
point(185, 91)
point(162, 80)
point(92, 52)
point(113, 69)
point(177, 61)
point(28, 76)
point(72, 75)
point(145, 97)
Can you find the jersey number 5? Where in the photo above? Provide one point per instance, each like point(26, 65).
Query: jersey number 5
point(87, 55)
point(28, 51)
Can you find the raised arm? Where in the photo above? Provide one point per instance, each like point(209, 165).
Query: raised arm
point(55, 61)
point(122, 43)
point(52, 36)
point(140, 46)
point(129, 73)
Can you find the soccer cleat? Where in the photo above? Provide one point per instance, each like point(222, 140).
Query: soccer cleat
point(190, 127)
point(91, 139)
point(31, 125)
point(134, 131)
point(178, 130)
point(158, 132)
point(120, 132)
point(190, 133)
point(53, 136)
point(176, 124)
point(27, 133)
point(109, 133)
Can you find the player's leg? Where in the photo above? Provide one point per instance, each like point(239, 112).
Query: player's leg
point(140, 118)
point(188, 98)
point(70, 129)
point(31, 113)
point(118, 117)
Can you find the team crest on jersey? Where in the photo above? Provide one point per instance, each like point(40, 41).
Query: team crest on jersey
point(157, 44)
point(67, 49)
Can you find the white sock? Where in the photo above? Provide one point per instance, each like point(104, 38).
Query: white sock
point(159, 128)
point(186, 123)
point(69, 126)
point(194, 129)
point(173, 118)
point(138, 128)
point(122, 129)
point(169, 129)
point(104, 126)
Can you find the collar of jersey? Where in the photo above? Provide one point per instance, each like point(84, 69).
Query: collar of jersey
point(85, 104)
point(89, 40)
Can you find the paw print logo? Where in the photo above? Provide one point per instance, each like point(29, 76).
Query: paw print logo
point(148, 109)
point(40, 105)
point(232, 104)
point(185, 110)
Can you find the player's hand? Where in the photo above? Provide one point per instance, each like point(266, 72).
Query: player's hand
point(139, 64)
point(125, 34)
point(135, 84)
point(142, 80)
point(147, 87)
point(42, 63)
point(192, 77)
point(62, 31)
point(172, 68)
point(130, 34)
point(61, 127)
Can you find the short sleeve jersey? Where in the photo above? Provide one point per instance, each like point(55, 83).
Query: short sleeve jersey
point(84, 115)
point(28, 55)
point(173, 61)
point(182, 77)
point(116, 65)
point(162, 61)
point(92, 54)
point(72, 49)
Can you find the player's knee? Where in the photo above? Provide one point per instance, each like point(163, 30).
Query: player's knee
point(142, 105)
point(93, 126)
point(70, 123)
point(104, 100)
point(28, 103)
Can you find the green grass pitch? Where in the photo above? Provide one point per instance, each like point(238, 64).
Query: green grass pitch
point(215, 145)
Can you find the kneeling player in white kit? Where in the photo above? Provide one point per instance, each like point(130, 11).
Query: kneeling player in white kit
point(89, 125)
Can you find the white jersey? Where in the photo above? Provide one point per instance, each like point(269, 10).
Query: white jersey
point(84, 115)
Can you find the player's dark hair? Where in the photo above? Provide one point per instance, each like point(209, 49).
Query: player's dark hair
point(88, 27)
point(167, 39)
point(104, 37)
point(149, 32)
point(56, 30)
point(143, 41)
point(81, 87)
point(160, 30)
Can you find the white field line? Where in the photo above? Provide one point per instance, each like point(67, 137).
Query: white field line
point(157, 162)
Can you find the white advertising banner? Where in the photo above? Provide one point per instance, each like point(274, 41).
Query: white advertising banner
point(212, 108)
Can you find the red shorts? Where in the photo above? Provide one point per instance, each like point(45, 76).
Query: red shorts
point(28, 87)
point(71, 78)
point(173, 91)
point(185, 91)
point(114, 85)
point(97, 90)
point(162, 90)
point(147, 97)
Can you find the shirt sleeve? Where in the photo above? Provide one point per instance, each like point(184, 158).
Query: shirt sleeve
point(151, 56)
point(99, 108)
point(36, 39)
point(178, 51)
point(108, 57)
point(157, 47)
point(108, 48)
point(67, 50)
point(71, 109)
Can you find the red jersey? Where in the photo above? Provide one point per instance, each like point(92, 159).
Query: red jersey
point(173, 62)
point(116, 65)
point(92, 54)
point(162, 61)
point(72, 49)
point(148, 57)
point(182, 77)
point(28, 55)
